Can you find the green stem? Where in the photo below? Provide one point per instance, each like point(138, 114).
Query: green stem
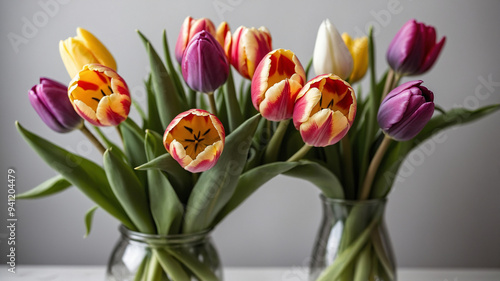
point(348, 171)
point(372, 169)
point(213, 105)
point(389, 81)
point(272, 149)
point(382, 255)
point(300, 153)
point(93, 139)
point(439, 108)
point(308, 67)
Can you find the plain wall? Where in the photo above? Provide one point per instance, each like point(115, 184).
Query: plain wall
point(444, 213)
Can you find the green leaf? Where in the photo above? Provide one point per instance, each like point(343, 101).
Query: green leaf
point(171, 266)
point(221, 108)
point(46, 188)
point(250, 181)
point(320, 176)
point(154, 122)
point(190, 261)
point(232, 106)
point(171, 69)
point(166, 208)
point(133, 142)
point(363, 264)
point(108, 143)
point(137, 107)
point(80, 172)
point(129, 191)
point(167, 99)
point(216, 186)
point(89, 217)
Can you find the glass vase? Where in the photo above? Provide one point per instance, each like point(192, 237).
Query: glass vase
point(352, 243)
point(139, 256)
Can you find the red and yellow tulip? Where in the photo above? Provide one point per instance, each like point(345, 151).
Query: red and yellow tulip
point(99, 95)
point(276, 82)
point(324, 110)
point(248, 47)
point(195, 139)
point(83, 49)
point(223, 36)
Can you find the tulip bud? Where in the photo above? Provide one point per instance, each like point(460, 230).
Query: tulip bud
point(195, 139)
point(83, 49)
point(50, 101)
point(406, 110)
point(324, 110)
point(204, 64)
point(359, 51)
point(99, 95)
point(276, 83)
point(189, 28)
point(223, 36)
point(248, 47)
point(414, 49)
point(331, 54)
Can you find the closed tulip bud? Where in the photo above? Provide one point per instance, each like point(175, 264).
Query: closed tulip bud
point(84, 49)
point(195, 139)
point(99, 95)
point(204, 64)
point(248, 47)
point(331, 54)
point(276, 83)
point(189, 28)
point(50, 101)
point(223, 36)
point(406, 110)
point(358, 48)
point(414, 49)
point(324, 110)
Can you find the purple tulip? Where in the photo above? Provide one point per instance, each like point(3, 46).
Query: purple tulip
point(204, 64)
point(50, 100)
point(406, 110)
point(414, 49)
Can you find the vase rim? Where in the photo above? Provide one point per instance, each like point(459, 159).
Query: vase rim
point(352, 202)
point(165, 239)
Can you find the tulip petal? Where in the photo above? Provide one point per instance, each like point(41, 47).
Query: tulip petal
point(86, 112)
point(99, 51)
point(45, 114)
point(324, 128)
point(413, 124)
point(113, 109)
point(432, 56)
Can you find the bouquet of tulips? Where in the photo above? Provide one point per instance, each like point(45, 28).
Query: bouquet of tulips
point(202, 147)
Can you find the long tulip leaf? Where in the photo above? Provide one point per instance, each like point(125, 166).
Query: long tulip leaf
point(250, 181)
point(201, 270)
point(51, 186)
point(129, 191)
point(171, 69)
point(232, 106)
point(154, 122)
point(108, 143)
point(171, 266)
point(320, 176)
point(133, 142)
point(84, 174)
point(89, 217)
point(216, 186)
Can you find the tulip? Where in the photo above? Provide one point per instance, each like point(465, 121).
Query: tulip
point(406, 110)
point(204, 64)
point(223, 36)
point(248, 47)
point(189, 28)
point(331, 54)
point(324, 110)
point(358, 48)
point(276, 82)
point(99, 95)
point(83, 49)
point(50, 101)
point(195, 139)
point(414, 49)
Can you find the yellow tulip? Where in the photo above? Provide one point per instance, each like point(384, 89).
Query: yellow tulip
point(84, 49)
point(358, 48)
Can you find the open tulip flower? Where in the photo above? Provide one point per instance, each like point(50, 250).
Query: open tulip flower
point(99, 95)
point(195, 139)
point(406, 110)
point(414, 49)
point(189, 28)
point(358, 48)
point(204, 64)
point(324, 110)
point(50, 101)
point(276, 82)
point(331, 54)
point(248, 47)
point(84, 49)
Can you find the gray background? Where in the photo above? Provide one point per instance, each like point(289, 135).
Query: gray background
point(444, 213)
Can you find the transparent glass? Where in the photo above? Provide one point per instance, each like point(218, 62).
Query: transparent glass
point(139, 256)
point(352, 243)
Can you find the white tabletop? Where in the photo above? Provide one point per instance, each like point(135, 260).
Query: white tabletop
point(85, 273)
